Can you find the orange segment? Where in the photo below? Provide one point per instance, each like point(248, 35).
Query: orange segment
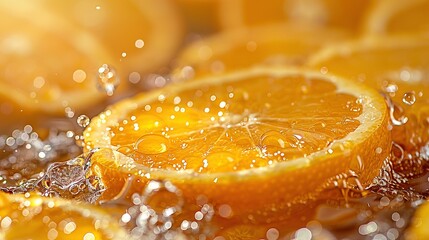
point(288, 44)
point(46, 64)
point(25, 217)
point(141, 35)
point(257, 140)
point(345, 14)
point(395, 65)
point(398, 17)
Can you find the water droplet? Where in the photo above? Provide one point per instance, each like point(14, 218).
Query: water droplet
point(274, 139)
point(409, 98)
point(83, 121)
point(108, 81)
point(152, 144)
point(79, 76)
point(139, 43)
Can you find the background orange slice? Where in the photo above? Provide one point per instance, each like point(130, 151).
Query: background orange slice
point(45, 63)
point(31, 216)
point(275, 44)
point(398, 17)
point(397, 66)
point(345, 14)
point(141, 35)
point(256, 140)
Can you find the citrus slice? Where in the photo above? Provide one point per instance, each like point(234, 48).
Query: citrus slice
point(30, 216)
point(254, 141)
point(201, 16)
point(417, 228)
point(397, 66)
point(397, 17)
point(46, 64)
point(317, 12)
point(141, 35)
point(287, 44)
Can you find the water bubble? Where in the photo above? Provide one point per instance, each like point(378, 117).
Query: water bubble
point(152, 144)
point(83, 121)
point(409, 98)
point(139, 43)
point(108, 81)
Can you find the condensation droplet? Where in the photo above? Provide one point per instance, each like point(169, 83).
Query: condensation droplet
point(83, 121)
point(409, 98)
point(151, 144)
point(108, 81)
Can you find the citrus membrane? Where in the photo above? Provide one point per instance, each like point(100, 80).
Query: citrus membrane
point(255, 140)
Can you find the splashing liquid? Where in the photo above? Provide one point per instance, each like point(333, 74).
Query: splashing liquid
point(107, 80)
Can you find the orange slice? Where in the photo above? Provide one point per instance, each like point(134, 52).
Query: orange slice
point(25, 217)
point(46, 64)
point(345, 14)
point(287, 44)
point(397, 66)
point(398, 17)
point(417, 228)
point(141, 35)
point(201, 16)
point(253, 142)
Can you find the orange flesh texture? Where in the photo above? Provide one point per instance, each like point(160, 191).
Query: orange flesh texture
point(31, 75)
point(154, 21)
point(273, 44)
point(240, 125)
point(322, 13)
point(245, 157)
point(50, 217)
point(404, 65)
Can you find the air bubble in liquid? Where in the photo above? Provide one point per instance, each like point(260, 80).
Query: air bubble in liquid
point(108, 80)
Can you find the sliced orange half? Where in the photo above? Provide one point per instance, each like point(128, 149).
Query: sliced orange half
point(45, 63)
point(33, 217)
point(279, 44)
point(398, 17)
point(254, 141)
point(397, 66)
point(141, 35)
point(345, 14)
